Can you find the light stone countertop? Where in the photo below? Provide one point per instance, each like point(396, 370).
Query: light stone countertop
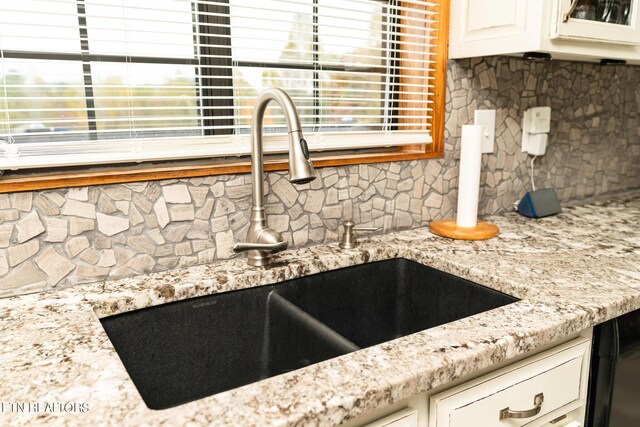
point(571, 271)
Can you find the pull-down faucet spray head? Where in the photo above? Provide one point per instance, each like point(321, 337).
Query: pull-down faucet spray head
point(300, 168)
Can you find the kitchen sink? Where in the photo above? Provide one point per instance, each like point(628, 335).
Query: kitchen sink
point(186, 350)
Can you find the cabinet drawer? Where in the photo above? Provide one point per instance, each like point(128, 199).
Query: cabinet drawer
point(532, 388)
point(408, 417)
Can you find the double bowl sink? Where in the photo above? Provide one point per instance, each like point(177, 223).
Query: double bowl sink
point(187, 350)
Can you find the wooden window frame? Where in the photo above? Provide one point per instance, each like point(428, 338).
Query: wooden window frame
point(113, 175)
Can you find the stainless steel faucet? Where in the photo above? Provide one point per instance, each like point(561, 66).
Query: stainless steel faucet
point(261, 240)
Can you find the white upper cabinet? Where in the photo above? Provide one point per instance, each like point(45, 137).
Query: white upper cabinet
point(606, 21)
point(586, 30)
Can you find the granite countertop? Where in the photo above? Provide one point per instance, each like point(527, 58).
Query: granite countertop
point(570, 271)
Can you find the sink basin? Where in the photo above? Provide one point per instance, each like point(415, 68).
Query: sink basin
point(186, 350)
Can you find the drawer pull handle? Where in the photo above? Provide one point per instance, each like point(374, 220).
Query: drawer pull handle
point(537, 401)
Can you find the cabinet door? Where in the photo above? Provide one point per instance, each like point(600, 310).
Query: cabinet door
point(622, 27)
point(490, 27)
point(482, 19)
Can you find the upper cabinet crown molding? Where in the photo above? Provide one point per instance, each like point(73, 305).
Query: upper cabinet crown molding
point(513, 27)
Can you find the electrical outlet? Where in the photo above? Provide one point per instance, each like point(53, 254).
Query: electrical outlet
point(487, 119)
point(535, 128)
point(539, 119)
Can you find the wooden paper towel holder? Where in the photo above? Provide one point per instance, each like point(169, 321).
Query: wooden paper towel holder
point(449, 228)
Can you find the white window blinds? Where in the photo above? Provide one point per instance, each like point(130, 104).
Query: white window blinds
point(111, 81)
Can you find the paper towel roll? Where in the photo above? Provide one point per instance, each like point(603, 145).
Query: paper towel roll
point(469, 176)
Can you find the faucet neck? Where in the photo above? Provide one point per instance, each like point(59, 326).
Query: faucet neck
point(257, 119)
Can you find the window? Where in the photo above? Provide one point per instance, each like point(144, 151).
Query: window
point(113, 81)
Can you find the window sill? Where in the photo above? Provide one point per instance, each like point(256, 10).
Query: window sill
point(114, 175)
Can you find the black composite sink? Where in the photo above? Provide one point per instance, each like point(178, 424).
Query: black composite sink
point(186, 350)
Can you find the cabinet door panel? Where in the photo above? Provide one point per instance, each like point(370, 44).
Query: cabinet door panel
point(493, 18)
point(490, 27)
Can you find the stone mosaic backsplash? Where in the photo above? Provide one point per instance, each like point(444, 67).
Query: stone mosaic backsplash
point(69, 236)
point(594, 142)
point(62, 237)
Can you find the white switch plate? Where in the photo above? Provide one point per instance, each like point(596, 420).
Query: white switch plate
point(487, 119)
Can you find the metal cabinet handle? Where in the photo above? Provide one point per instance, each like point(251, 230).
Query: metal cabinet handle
point(572, 7)
point(537, 401)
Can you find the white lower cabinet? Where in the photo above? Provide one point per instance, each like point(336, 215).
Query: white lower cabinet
point(408, 417)
point(543, 388)
point(547, 389)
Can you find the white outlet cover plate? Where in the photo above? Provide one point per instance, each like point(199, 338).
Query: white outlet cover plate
point(487, 119)
point(536, 120)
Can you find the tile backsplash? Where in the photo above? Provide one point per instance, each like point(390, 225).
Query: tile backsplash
point(63, 237)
